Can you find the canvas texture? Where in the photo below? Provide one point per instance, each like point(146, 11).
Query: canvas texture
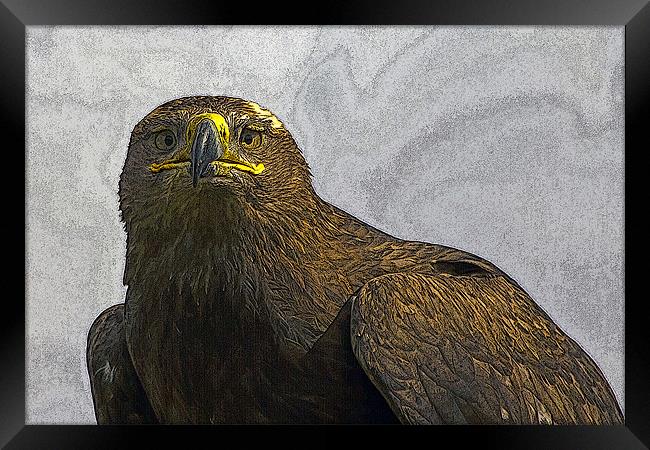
point(507, 142)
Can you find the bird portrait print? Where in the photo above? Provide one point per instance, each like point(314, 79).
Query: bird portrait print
point(252, 300)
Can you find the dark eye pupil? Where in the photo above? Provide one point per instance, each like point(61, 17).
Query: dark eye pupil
point(169, 140)
point(248, 138)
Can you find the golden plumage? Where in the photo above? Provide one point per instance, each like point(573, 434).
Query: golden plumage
point(250, 299)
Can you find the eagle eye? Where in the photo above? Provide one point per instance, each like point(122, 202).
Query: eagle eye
point(165, 140)
point(250, 139)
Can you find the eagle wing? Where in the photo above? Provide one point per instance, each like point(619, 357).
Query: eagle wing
point(450, 349)
point(118, 396)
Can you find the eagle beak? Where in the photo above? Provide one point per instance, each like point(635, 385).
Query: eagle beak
point(206, 148)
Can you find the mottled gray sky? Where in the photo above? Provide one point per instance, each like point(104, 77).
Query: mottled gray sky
point(506, 142)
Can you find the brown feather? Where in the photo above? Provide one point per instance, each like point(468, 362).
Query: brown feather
point(466, 339)
point(238, 305)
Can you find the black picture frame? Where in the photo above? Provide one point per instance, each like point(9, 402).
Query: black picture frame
point(15, 15)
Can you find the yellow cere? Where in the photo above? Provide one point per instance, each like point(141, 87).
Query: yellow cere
point(219, 125)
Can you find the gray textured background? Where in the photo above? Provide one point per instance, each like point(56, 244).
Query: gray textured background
point(506, 142)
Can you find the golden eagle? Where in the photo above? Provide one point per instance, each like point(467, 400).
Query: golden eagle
point(252, 300)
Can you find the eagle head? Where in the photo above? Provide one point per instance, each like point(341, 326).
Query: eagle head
point(217, 161)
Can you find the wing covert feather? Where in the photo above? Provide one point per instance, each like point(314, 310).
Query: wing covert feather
point(118, 395)
point(464, 349)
